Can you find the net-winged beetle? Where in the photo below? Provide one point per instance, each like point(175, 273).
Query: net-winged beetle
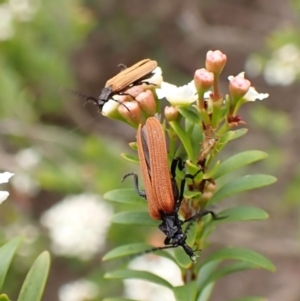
point(128, 77)
point(161, 191)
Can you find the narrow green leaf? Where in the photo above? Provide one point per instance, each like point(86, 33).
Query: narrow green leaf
point(241, 184)
point(118, 299)
point(227, 270)
point(133, 145)
point(143, 275)
point(184, 138)
point(7, 252)
point(128, 196)
point(238, 161)
point(205, 270)
point(242, 213)
point(126, 250)
point(186, 292)
point(189, 114)
point(254, 298)
point(133, 249)
point(206, 293)
point(35, 281)
point(130, 158)
point(4, 297)
point(212, 171)
point(243, 255)
point(141, 218)
point(238, 133)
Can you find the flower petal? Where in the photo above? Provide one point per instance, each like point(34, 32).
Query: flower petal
point(5, 176)
point(252, 95)
point(3, 196)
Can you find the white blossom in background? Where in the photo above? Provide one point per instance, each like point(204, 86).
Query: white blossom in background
point(144, 290)
point(24, 10)
point(15, 11)
point(80, 290)
point(6, 22)
point(78, 225)
point(4, 178)
point(284, 66)
point(27, 160)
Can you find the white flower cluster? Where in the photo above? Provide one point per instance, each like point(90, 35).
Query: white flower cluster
point(19, 10)
point(144, 290)
point(78, 225)
point(80, 290)
point(283, 68)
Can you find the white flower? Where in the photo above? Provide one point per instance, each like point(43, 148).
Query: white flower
point(78, 225)
point(110, 107)
point(156, 79)
point(144, 290)
point(80, 290)
point(4, 177)
point(184, 95)
point(251, 94)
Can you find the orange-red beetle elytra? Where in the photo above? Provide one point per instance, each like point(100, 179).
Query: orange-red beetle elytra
point(161, 191)
point(128, 77)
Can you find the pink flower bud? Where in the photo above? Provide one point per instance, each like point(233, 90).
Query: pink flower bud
point(171, 113)
point(215, 61)
point(147, 102)
point(131, 112)
point(238, 87)
point(134, 91)
point(203, 80)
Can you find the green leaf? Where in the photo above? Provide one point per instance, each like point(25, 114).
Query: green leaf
point(133, 145)
point(130, 158)
point(205, 270)
point(141, 218)
point(186, 292)
point(238, 161)
point(227, 270)
point(189, 114)
point(254, 298)
point(143, 275)
point(206, 293)
point(241, 184)
point(242, 213)
point(184, 138)
point(4, 297)
point(7, 252)
point(238, 133)
point(133, 249)
point(243, 255)
point(35, 281)
point(128, 196)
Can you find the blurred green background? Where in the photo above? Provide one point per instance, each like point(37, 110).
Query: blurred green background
point(59, 147)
